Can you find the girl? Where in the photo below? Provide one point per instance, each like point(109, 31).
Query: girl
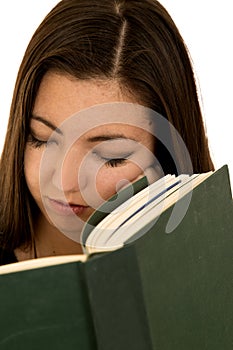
point(88, 53)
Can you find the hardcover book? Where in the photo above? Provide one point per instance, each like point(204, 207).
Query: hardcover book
point(156, 273)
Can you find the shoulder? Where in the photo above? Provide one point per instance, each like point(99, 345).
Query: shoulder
point(7, 257)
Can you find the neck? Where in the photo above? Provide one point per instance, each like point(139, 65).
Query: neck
point(49, 241)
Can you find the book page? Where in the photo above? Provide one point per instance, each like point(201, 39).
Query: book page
point(111, 222)
point(126, 233)
point(41, 262)
point(115, 237)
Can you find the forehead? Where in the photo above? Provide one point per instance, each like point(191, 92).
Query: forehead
point(89, 106)
point(60, 96)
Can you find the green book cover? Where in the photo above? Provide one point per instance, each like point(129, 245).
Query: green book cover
point(45, 308)
point(171, 291)
point(160, 292)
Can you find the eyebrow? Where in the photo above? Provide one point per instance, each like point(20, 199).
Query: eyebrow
point(109, 138)
point(93, 139)
point(47, 123)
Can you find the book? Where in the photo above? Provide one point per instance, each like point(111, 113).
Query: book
point(167, 288)
point(126, 222)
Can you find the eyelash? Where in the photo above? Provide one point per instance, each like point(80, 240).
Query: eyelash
point(111, 162)
point(114, 162)
point(36, 143)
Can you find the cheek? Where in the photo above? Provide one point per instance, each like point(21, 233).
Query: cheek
point(110, 180)
point(31, 170)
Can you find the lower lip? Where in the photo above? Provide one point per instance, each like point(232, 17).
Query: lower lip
point(65, 209)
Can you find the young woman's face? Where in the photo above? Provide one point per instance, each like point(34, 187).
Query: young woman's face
point(72, 164)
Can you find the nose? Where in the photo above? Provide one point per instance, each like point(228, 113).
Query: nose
point(68, 175)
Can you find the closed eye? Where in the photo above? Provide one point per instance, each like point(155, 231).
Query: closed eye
point(37, 143)
point(114, 162)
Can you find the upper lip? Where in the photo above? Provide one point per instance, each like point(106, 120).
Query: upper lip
point(66, 203)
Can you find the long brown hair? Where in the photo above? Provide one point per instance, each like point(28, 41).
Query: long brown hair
point(133, 41)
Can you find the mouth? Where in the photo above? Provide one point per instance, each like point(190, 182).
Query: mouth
point(64, 208)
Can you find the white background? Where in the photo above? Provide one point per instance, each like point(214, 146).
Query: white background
point(206, 27)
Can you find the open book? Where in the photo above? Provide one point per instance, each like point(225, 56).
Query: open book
point(162, 278)
point(125, 217)
point(127, 221)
